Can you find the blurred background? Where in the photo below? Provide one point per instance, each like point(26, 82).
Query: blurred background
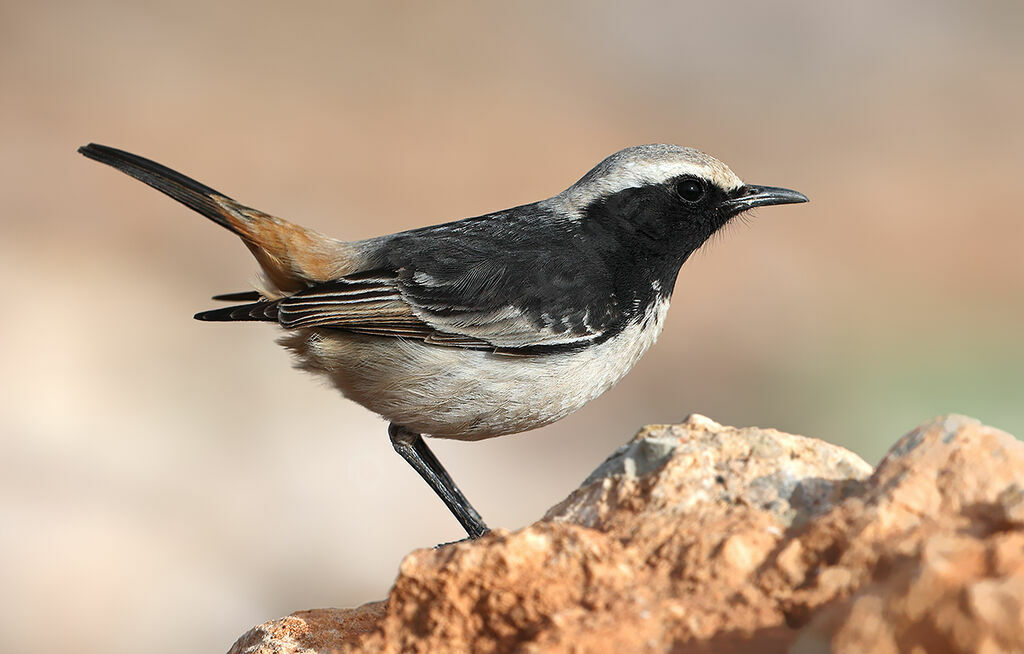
point(166, 484)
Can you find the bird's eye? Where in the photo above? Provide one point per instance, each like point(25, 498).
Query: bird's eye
point(690, 189)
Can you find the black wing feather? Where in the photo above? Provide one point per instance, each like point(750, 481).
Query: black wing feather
point(262, 311)
point(244, 296)
point(448, 285)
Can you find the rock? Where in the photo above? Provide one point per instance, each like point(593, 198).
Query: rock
point(934, 548)
point(700, 468)
point(962, 594)
point(309, 632)
point(950, 475)
point(700, 538)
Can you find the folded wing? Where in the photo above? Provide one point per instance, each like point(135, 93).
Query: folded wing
point(515, 281)
point(404, 304)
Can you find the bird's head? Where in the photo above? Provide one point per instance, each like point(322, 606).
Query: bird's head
point(663, 198)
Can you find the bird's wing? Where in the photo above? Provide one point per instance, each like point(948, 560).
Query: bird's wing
point(518, 280)
point(363, 303)
point(416, 305)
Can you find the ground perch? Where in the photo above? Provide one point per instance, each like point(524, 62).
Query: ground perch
point(698, 537)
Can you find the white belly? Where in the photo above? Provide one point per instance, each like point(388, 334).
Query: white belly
point(450, 392)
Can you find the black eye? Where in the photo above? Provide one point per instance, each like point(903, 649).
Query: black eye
point(690, 189)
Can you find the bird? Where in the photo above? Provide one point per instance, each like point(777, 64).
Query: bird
point(485, 326)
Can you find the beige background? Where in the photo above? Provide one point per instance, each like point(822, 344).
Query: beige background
point(164, 484)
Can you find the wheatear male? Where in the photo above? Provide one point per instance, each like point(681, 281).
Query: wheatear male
point(485, 326)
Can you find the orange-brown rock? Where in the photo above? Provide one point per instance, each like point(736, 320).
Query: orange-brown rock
point(700, 538)
point(310, 631)
point(960, 594)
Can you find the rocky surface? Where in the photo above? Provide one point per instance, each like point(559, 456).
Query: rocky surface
point(699, 538)
point(311, 631)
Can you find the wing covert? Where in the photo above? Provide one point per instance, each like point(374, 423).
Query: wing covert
point(449, 285)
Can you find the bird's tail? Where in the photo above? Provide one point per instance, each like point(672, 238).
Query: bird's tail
point(291, 256)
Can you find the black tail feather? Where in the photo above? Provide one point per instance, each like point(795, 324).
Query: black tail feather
point(192, 194)
point(244, 296)
point(257, 311)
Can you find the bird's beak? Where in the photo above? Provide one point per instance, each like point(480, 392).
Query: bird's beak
point(749, 196)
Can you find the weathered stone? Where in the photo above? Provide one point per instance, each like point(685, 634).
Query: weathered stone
point(701, 466)
point(703, 538)
point(309, 632)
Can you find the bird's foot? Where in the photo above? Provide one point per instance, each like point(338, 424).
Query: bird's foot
point(467, 539)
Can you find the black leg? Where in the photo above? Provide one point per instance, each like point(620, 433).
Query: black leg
point(414, 450)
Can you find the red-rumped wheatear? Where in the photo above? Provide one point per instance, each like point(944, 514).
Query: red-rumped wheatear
point(485, 326)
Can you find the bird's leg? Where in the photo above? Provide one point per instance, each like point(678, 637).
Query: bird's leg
point(414, 450)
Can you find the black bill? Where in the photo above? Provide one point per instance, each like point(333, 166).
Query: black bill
point(749, 196)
